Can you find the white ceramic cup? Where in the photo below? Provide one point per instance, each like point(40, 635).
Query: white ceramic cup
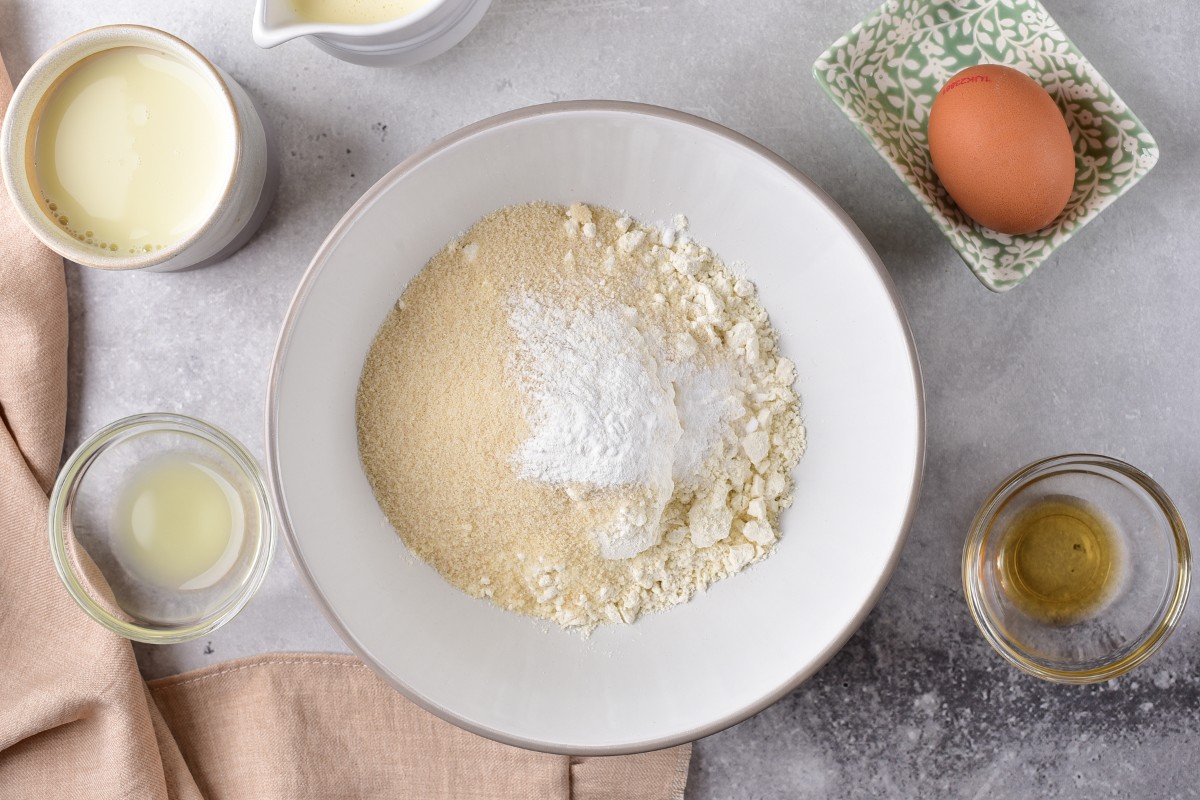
point(419, 36)
point(229, 224)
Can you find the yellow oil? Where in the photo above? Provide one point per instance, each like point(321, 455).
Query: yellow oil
point(1060, 560)
point(356, 12)
point(133, 150)
point(180, 525)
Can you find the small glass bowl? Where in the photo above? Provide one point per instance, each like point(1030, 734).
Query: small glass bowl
point(1151, 587)
point(87, 550)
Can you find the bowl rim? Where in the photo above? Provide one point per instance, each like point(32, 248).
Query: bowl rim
point(76, 467)
point(369, 198)
point(1165, 622)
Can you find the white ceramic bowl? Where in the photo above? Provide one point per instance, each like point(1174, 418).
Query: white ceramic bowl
point(670, 677)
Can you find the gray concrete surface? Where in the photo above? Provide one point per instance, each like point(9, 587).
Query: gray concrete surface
point(1097, 352)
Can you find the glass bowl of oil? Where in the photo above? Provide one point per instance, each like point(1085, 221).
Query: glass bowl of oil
point(161, 527)
point(1077, 568)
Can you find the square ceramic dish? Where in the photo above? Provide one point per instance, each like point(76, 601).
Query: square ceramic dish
point(886, 71)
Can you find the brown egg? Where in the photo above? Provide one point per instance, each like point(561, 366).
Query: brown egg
point(1001, 148)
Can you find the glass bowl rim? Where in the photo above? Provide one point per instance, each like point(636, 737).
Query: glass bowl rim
point(1147, 644)
point(76, 467)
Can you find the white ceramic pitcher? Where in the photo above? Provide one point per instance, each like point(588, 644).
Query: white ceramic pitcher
point(415, 37)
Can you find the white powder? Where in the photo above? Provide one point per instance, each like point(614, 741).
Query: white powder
point(600, 415)
point(609, 409)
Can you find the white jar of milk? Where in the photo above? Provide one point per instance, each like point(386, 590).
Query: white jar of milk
point(124, 148)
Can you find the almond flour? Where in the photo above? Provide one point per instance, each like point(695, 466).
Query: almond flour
point(580, 417)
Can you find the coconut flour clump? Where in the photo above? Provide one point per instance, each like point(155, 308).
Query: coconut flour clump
point(580, 417)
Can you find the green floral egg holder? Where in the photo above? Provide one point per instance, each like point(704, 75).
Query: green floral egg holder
point(885, 73)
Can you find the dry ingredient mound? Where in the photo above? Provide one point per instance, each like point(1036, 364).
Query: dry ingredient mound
point(580, 417)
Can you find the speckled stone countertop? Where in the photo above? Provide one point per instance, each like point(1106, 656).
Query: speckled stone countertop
point(1097, 352)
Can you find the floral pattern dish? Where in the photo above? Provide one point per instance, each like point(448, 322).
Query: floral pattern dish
point(885, 73)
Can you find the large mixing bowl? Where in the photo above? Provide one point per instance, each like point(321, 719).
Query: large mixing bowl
point(702, 666)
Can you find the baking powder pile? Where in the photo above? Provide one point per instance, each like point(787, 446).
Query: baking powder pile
point(580, 417)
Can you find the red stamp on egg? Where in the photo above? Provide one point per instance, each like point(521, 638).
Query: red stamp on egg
point(952, 85)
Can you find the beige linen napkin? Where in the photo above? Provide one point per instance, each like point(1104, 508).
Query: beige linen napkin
point(76, 719)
